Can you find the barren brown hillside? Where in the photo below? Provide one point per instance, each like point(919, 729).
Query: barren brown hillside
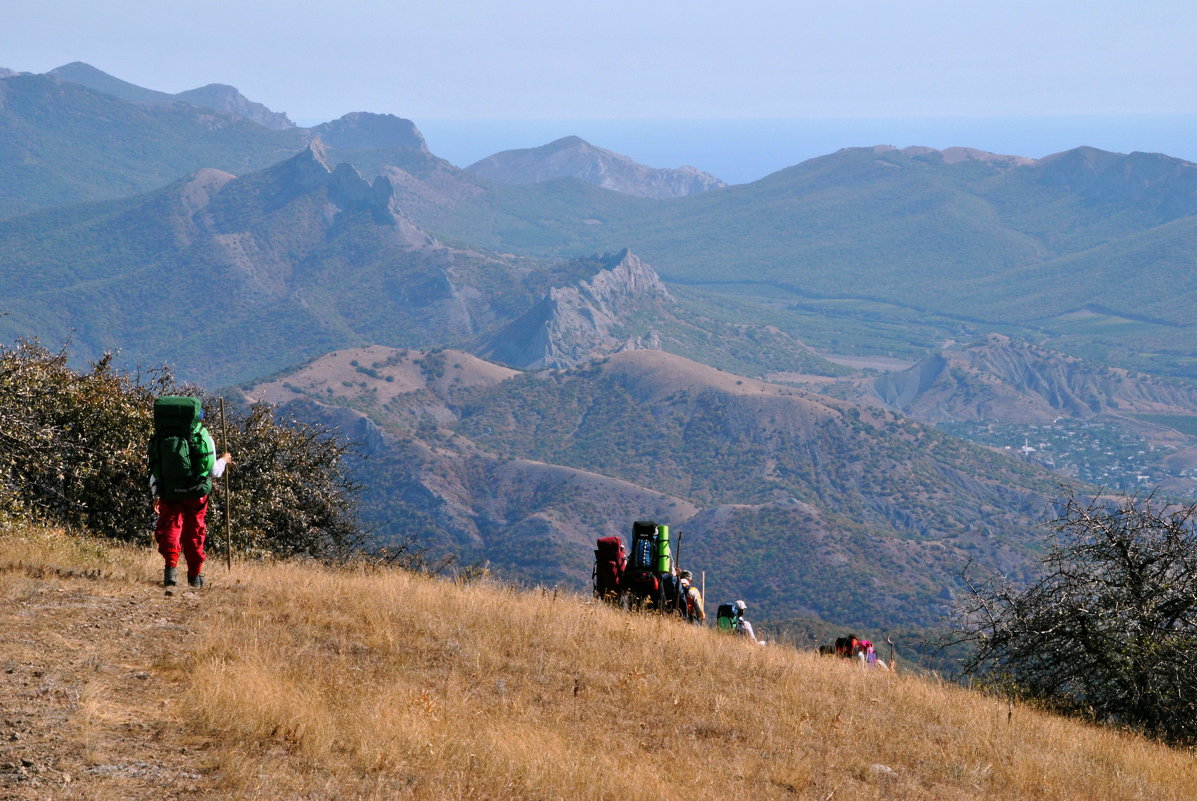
point(292, 681)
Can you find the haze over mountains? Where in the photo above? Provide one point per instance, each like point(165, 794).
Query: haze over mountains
point(543, 346)
point(77, 133)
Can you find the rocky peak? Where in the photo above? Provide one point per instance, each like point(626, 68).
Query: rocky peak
point(566, 143)
point(625, 281)
point(362, 130)
point(310, 171)
point(305, 171)
point(573, 157)
point(610, 312)
point(86, 75)
point(222, 97)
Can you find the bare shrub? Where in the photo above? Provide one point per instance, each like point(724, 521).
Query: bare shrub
point(1109, 629)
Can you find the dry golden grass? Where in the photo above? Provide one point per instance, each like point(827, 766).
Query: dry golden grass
point(321, 683)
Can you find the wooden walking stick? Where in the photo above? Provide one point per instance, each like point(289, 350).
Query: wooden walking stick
point(228, 496)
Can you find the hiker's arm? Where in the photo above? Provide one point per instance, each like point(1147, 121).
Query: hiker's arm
point(220, 464)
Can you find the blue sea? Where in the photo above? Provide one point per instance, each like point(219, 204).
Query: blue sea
point(742, 151)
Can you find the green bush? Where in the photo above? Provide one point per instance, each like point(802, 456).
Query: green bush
point(73, 453)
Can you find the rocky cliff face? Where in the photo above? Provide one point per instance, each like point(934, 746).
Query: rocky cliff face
point(222, 97)
point(364, 131)
point(1003, 380)
point(611, 311)
point(572, 157)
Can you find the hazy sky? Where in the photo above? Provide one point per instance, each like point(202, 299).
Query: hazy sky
point(635, 58)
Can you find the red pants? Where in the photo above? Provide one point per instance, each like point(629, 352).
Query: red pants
point(182, 521)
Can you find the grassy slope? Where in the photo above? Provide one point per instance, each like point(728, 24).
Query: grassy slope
point(356, 684)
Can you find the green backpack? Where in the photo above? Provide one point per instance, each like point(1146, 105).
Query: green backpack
point(181, 452)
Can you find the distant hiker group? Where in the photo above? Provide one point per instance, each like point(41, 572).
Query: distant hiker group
point(648, 577)
point(852, 647)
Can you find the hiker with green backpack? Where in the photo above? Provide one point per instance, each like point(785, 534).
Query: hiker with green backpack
point(730, 618)
point(182, 459)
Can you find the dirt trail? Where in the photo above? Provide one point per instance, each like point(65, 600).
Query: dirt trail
point(90, 678)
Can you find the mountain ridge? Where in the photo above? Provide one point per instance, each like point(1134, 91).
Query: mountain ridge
point(481, 458)
point(281, 251)
point(214, 96)
point(573, 157)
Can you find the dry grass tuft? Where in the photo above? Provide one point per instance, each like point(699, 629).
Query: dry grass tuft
point(374, 684)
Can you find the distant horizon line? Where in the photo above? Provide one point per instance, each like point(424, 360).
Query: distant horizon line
point(744, 149)
point(307, 122)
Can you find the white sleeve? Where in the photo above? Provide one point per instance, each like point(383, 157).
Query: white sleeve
point(218, 468)
point(746, 627)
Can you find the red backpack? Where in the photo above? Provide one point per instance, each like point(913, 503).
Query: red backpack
point(609, 564)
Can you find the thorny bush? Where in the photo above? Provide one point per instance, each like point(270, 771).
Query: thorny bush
point(1109, 630)
point(73, 453)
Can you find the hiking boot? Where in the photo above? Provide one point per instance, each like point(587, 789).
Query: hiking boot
point(195, 581)
point(170, 576)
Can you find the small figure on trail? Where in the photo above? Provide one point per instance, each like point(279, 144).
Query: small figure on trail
point(745, 627)
point(730, 618)
point(868, 656)
point(847, 647)
point(693, 598)
point(182, 458)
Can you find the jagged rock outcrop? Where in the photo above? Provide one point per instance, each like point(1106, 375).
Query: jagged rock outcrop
point(1003, 380)
point(214, 96)
point(610, 312)
point(343, 186)
point(572, 157)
